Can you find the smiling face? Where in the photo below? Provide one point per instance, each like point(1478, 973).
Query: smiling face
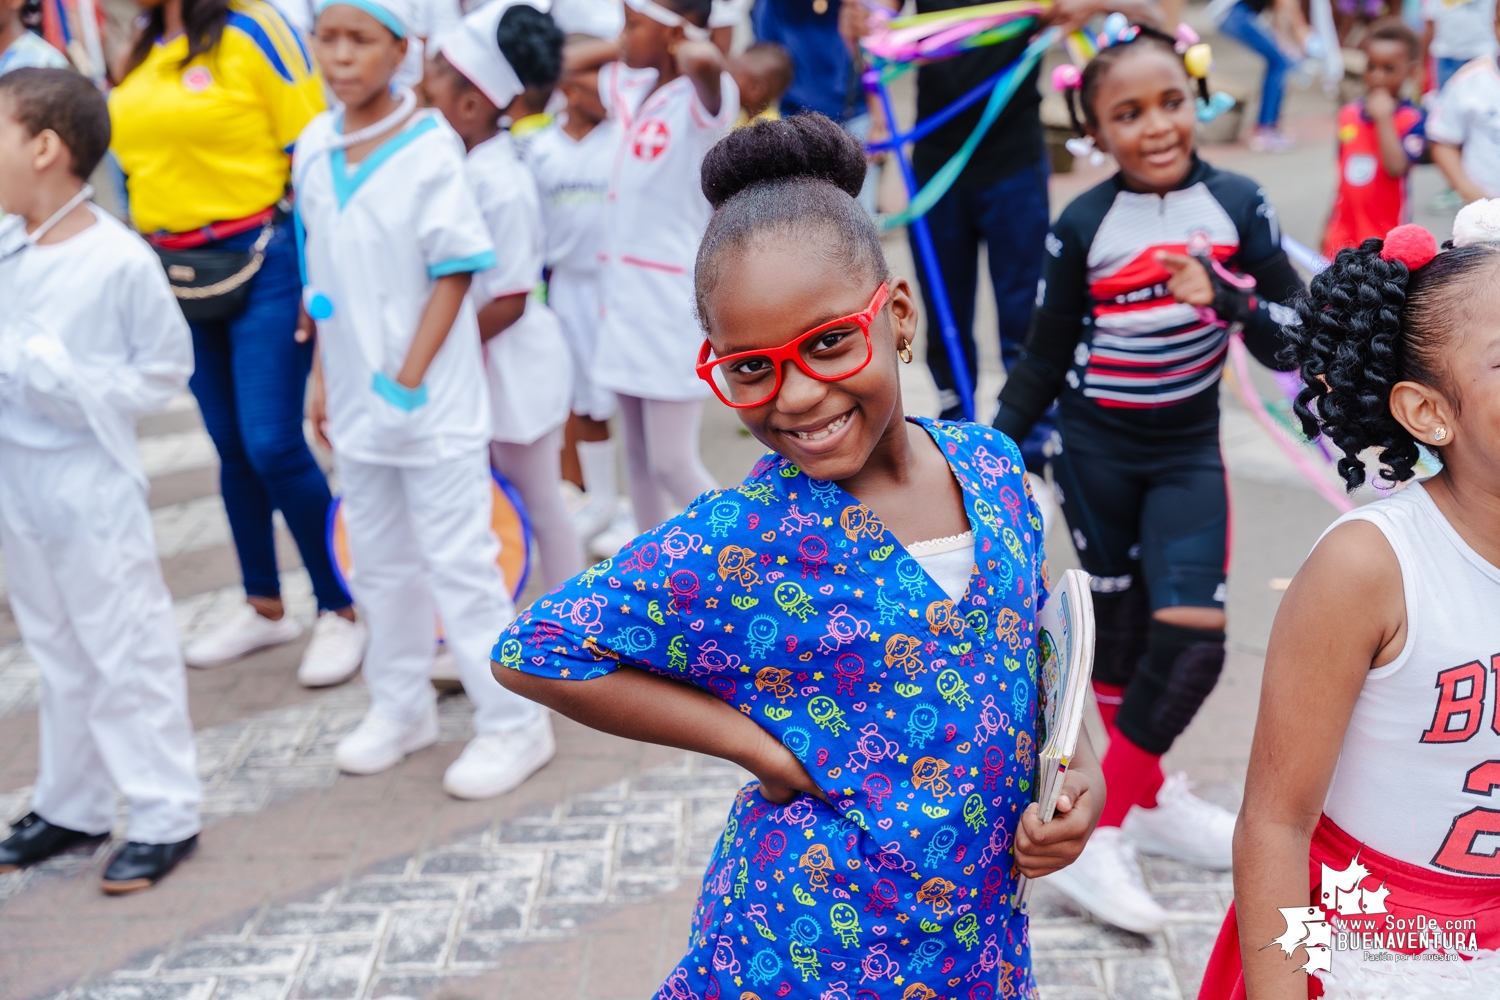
point(779, 287)
point(357, 53)
point(1143, 113)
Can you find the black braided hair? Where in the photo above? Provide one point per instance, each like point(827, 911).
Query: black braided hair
point(1098, 67)
point(796, 176)
point(1366, 324)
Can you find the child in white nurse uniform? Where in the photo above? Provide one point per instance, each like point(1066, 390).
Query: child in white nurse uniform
point(391, 243)
point(526, 358)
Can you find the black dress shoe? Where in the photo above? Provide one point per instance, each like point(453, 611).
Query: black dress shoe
point(138, 866)
point(33, 839)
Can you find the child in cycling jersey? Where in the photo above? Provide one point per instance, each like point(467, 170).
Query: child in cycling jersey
point(1148, 275)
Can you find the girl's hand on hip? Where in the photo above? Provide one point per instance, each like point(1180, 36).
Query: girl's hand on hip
point(782, 776)
point(1043, 848)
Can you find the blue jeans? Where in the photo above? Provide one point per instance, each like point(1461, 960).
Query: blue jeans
point(1244, 26)
point(1010, 217)
point(1446, 68)
point(250, 376)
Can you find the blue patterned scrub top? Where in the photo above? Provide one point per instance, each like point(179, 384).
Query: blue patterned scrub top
point(790, 600)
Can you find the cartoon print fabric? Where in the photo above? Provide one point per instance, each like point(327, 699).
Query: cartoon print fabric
point(789, 599)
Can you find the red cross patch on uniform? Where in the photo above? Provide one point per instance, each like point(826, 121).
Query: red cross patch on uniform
point(651, 139)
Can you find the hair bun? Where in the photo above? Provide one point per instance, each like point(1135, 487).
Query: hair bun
point(806, 145)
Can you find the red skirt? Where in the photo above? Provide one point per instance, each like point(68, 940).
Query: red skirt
point(1414, 893)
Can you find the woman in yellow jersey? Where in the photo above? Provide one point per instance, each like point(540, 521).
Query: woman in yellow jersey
point(204, 121)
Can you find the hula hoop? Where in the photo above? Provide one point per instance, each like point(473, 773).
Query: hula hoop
point(509, 519)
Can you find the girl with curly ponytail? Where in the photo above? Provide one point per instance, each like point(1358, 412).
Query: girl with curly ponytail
point(1378, 736)
point(784, 625)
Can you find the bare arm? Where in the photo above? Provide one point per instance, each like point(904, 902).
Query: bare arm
point(437, 319)
point(1426, 46)
point(1451, 162)
point(500, 315)
point(1343, 614)
point(317, 401)
point(1381, 107)
point(642, 706)
point(583, 56)
point(703, 63)
point(1043, 848)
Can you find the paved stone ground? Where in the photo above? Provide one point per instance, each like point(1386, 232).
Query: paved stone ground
point(308, 884)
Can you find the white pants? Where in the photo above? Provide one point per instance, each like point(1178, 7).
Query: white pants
point(536, 470)
point(422, 537)
point(575, 299)
point(96, 615)
point(662, 466)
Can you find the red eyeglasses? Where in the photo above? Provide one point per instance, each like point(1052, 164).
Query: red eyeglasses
point(833, 351)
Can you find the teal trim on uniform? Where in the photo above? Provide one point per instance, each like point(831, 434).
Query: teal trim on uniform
point(398, 395)
point(463, 265)
point(344, 185)
point(375, 10)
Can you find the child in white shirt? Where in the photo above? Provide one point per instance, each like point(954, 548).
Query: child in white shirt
point(572, 160)
point(670, 92)
point(90, 339)
point(392, 239)
point(1464, 127)
point(472, 82)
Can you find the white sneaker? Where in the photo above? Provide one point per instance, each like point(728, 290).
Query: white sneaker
point(621, 532)
point(593, 517)
point(379, 742)
point(1106, 881)
point(445, 675)
point(334, 654)
point(246, 631)
point(1183, 827)
point(495, 763)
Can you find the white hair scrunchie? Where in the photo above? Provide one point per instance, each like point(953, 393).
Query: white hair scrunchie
point(1477, 222)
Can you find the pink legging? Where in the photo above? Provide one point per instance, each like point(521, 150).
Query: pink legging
point(535, 470)
point(662, 465)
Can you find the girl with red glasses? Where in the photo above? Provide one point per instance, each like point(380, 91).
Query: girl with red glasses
point(855, 624)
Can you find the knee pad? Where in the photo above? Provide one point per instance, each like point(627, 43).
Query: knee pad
point(1176, 675)
point(1122, 625)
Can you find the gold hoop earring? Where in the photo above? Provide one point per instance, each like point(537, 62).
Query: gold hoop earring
point(904, 352)
point(1440, 433)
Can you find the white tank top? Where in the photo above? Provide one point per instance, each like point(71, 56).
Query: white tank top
point(1425, 724)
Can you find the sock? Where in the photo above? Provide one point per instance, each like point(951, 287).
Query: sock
point(597, 460)
point(1109, 697)
point(1131, 777)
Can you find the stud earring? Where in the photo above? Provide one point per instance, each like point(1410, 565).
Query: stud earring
point(904, 351)
point(1440, 433)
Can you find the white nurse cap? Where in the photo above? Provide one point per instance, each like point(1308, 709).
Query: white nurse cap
point(472, 50)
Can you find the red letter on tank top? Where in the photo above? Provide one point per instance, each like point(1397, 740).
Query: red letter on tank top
point(1495, 708)
point(1451, 705)
point(1458, 853)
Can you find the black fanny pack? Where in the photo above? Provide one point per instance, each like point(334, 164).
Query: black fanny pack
point(212, 284)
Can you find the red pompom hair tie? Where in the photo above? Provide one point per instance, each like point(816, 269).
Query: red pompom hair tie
point(1411, 244)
